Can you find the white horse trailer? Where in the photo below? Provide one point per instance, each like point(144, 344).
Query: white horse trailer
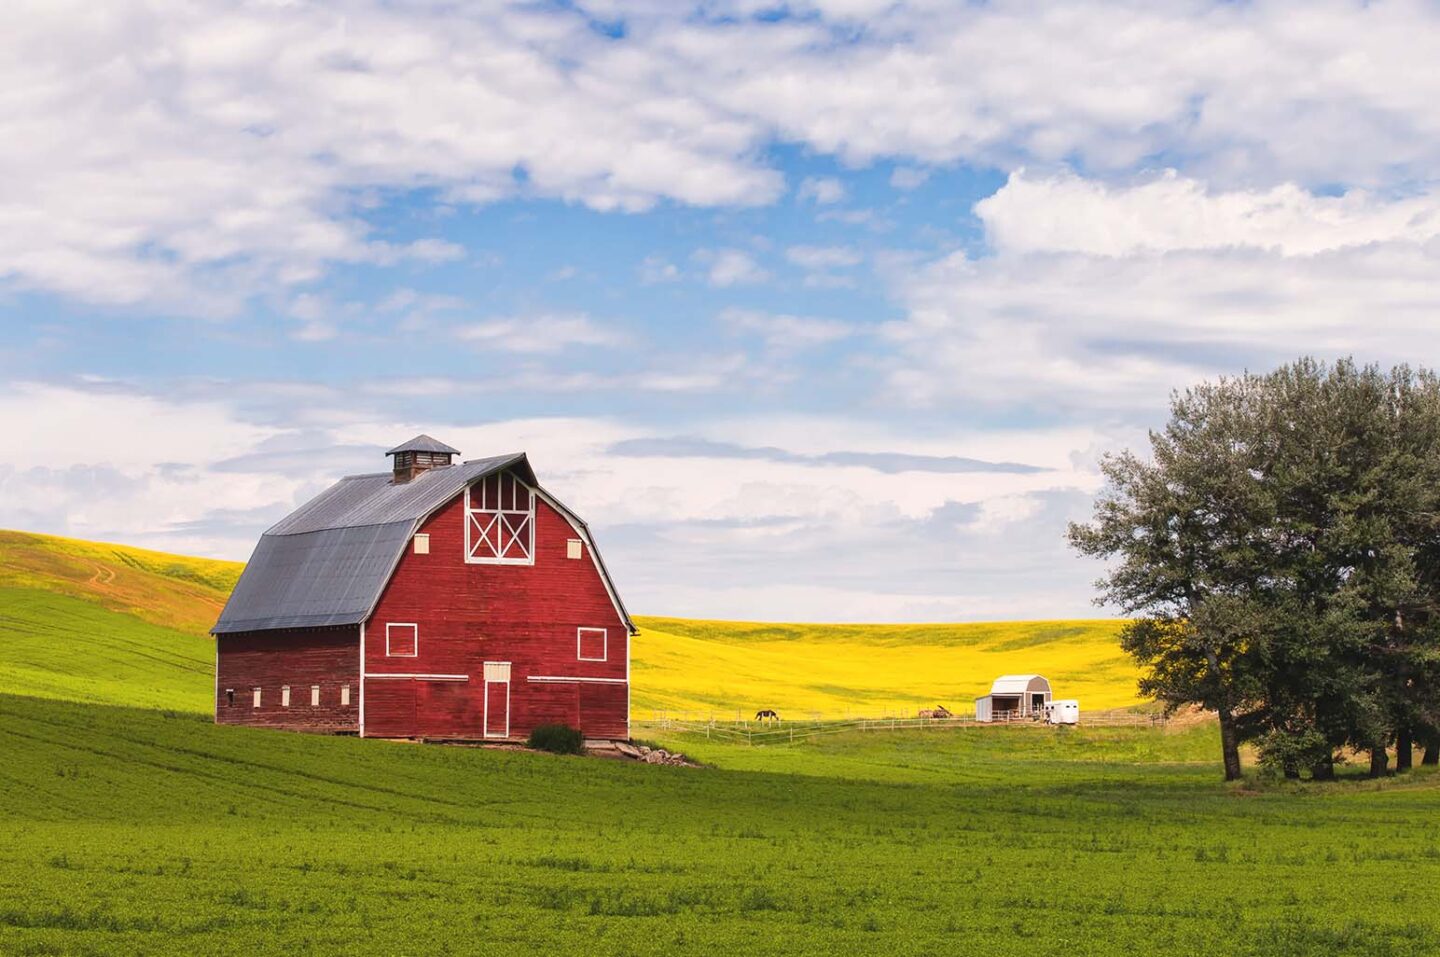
point(1065, 711)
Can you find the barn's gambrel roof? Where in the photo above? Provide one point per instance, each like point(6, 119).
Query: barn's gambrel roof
point(328, 562)
point(1019, 684)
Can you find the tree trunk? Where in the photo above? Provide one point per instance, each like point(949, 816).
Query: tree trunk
point(1431, 755)
point(1379, 762)
point(1324, 769)
point(1229, 745)
point(1404, 750)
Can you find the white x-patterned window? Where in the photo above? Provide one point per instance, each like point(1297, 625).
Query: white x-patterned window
point(500, 521)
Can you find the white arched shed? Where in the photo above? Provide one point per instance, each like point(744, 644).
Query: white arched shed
point(1014, 696)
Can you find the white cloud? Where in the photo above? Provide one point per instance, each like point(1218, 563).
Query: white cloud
point(823, 257)
point(683, 534)
point(1105, 298)
point(539, 333)
point(198, 155)
point(786, 332)
point(1171, 212)
point(908, 177)
point(822, 190)
point(658, 269)
point(733, 267)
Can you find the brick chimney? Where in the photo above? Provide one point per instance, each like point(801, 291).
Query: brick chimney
point(420, 454)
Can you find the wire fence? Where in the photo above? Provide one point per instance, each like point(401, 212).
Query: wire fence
point(781, 731)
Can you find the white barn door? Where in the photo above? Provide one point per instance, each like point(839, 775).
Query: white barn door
point(497, 699)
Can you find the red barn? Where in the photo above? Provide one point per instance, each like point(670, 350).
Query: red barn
point(435, 600)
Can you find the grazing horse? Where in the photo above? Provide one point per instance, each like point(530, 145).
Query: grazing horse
point(766, 714)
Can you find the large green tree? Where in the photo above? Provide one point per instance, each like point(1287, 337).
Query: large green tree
point(1279, 553)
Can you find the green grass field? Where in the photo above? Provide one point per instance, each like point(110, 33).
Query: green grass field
point(147, 829)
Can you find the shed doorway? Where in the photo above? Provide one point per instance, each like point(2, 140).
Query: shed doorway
point(497, 699)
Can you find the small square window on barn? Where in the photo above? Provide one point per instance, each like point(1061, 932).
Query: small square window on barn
point(344, 696)
point(590, 644)
point(574, 548)
point(285, 697)
point(257, 698)
point(422, 544)
point(402, 640)
point(314, 696)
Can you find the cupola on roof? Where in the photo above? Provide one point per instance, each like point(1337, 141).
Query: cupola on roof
point(423, 443)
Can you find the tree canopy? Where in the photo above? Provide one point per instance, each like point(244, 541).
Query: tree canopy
point(1279, 555)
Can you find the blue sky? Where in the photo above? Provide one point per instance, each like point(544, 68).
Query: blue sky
point(819, 311)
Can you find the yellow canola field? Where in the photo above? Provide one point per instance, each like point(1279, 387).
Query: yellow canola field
point(835, 671)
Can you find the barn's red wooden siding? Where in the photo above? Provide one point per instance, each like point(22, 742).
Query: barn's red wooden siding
point(468, 614)
point(302, 658)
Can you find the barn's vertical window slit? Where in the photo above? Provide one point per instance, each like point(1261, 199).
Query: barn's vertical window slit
point(344, 696)
point(257, 698)
point(229, 697)
point(285, 696)
point(314, 696)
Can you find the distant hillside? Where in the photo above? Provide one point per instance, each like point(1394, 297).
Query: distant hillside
point(729, 666)
point(108, 624)
point(117, 625)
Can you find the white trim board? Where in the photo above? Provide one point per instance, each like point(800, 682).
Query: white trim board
point(565, 678)
point(361, 703)
point(371, 674)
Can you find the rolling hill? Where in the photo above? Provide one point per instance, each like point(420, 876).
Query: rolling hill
point(108, 624)
point(111, 624)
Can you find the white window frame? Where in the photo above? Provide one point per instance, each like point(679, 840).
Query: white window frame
point(314, 696)
point(574, 548)
point(604, 644)
point(344, 696)
point(414, 644)
point(483, 520)
point(257, 697)
point(422, 543)
point(285, 696)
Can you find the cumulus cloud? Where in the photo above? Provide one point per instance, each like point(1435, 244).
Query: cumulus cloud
point(1069, 214)
point(1097, 297)
point(195, 155)
point(908, 177)
point(786, 332)
point(733, 267)
point(687, 526)
point(539, 333)
point(658, 269)
point(822, 190)
point(823, 257)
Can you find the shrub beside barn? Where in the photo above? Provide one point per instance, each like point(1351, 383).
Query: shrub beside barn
point(436, 600)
